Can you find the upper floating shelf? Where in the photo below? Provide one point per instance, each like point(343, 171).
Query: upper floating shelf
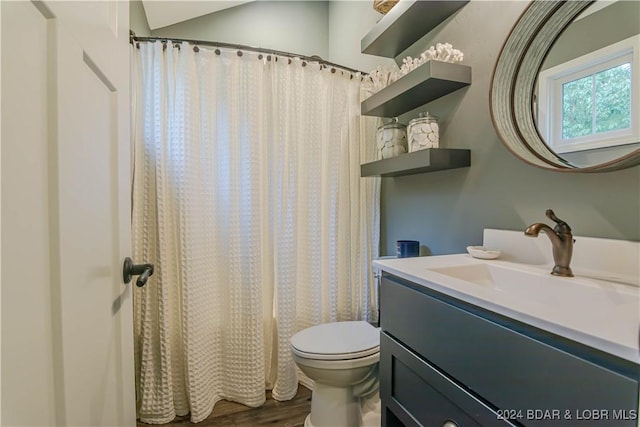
point(429, 81)
point(405, 23)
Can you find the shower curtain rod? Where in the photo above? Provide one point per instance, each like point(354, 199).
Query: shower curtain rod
point(134, 38)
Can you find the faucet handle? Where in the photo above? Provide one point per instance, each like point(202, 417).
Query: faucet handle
point(561, 226)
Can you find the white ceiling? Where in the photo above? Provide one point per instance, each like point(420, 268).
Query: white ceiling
point(161, 13)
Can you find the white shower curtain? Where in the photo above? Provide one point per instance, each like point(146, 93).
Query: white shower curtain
point(248, 199)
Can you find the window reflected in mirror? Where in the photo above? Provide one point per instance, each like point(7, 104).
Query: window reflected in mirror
point(588, 90)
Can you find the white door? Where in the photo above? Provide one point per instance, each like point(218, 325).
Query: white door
point(67, 332)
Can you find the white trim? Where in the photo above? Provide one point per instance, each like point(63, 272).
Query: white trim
point(550, 96)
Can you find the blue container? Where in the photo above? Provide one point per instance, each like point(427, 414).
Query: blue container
point(407, 248)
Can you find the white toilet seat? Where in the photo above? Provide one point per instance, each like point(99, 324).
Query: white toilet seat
point(337, 341)
point(337, 364)
point(336, 356)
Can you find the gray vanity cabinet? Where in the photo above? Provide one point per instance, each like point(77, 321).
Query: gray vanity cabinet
point(444, 362)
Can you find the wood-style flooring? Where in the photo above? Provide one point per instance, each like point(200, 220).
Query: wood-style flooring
point(273, 413)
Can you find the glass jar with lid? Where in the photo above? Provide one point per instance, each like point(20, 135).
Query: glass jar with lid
point(391, 139)
point(423, 132)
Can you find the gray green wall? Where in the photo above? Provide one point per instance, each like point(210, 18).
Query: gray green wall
point(290, 26)
point(617, 22)
point(349, 21)
point(447, 210)
point(138, 19)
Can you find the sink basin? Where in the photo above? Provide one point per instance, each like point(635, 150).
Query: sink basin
point(539, 287)
point(480, 274)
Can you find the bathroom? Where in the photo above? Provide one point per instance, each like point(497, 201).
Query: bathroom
point(445, 211)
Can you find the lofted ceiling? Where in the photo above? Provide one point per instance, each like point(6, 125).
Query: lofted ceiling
point(161, 13)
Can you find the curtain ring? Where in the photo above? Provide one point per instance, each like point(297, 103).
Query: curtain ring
point(333, 71)
point(260, 56)
point(196, 49)
point(164, 45)
point(304, 64)
point(239, 53)
point(268, 57)
point(217, 51)
point(289, 61)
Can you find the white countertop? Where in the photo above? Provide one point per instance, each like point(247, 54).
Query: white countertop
point(597, 313)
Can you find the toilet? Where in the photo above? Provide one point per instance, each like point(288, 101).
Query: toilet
point(342, 360)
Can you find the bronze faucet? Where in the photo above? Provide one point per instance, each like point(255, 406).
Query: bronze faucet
point(561, 241)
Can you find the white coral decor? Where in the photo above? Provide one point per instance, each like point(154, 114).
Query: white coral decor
point(380, 78)
point(440, 52)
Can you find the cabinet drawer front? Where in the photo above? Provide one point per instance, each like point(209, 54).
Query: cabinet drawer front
point(418, 395)
point(510, 370)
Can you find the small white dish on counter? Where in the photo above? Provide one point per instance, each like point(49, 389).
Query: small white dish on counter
point(482, 252)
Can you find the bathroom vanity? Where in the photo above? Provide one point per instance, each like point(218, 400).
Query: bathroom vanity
point(460, 346)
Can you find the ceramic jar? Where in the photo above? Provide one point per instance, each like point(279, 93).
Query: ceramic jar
point(391, 139)
point(423, 132)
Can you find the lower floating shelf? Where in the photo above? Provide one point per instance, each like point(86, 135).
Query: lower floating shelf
point(422, 161)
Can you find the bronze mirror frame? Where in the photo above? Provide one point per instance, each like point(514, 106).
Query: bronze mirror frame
point(513, 82)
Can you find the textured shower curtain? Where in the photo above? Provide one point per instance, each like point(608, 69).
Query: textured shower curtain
point(247, 197)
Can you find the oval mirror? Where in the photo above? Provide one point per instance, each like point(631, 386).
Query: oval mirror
point(566, 86)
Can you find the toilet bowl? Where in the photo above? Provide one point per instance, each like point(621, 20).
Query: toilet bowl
point(342, 360)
